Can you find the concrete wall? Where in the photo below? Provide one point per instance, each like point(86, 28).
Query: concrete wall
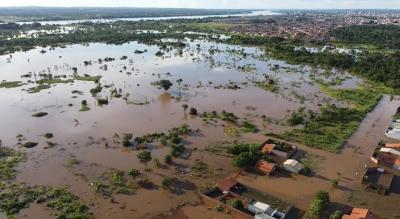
point(237, 214)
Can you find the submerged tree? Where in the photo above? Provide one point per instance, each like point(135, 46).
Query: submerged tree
point(165, 84)
point(144, 157)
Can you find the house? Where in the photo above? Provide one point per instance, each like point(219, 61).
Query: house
point(264, 167)
point(267, 148)
point(293, 166)
point(393, 145)
point(360, 213)
point(227, 184)
point(378, 179)
point(278, 150)
point(390, 150)
point(386, 159)
point(262, 210)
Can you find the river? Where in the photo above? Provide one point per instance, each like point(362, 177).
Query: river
point(66, 22)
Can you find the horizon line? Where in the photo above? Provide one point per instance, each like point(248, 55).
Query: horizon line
point(255, 9)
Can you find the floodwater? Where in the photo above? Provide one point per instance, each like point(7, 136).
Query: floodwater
point(207, 69)
point(66, 22)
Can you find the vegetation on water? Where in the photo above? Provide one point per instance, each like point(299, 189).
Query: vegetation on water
point(40, 114)
point(15, 197)
point(30, 144)
point(9, 159)
point(95, 79)
point(84, 106)
point(246, 155)
point(10, 84)
point(164, 84)
point(174, 136)
point(117, 182)
point(332, 126)
point(144, 157)
point(237, 127)
point(318, 205)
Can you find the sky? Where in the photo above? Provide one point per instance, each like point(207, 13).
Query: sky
point(217, 4)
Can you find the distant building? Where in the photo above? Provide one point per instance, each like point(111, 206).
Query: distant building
point(293, 166)
point(360, 213)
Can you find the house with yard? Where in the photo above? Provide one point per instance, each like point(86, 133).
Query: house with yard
point(277, 150)
point(256, 204)
point(293, 166)
point(360, 213)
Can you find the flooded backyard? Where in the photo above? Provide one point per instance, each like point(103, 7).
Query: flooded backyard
point(78, 102)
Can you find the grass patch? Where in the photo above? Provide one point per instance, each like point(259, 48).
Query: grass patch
point(329, 129)
point(9, 159)
point(16, 197)
point(54, 81)
point(95, 79)
point(39, 88)
point(10, 84)
point(272, 87)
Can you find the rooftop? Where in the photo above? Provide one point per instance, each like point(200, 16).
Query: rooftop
point(265, 167)
point(267, 148)
point(227, 183)
point(360, 213)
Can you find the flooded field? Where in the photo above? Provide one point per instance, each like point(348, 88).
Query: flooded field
point(75, 104)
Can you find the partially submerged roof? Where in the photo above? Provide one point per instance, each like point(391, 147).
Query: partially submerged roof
point(262, 206)
point(265, 167)
point(388, 158)
point(360, 213)
point(390, 150)
point(393, 145)
point(385, 180)
point(267, 148)
point(294, 163)
point(227, 183)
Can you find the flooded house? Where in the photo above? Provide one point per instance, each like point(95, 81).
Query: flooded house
point(256, 204)
point(265, 167)
point(387, 156)
point(360, 213)
point(293, 166)
point(277, 150)
point(378, 180)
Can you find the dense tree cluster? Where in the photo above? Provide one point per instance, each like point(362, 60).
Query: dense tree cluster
point(379, 35)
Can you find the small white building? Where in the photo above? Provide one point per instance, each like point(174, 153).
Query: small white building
point(293, 166)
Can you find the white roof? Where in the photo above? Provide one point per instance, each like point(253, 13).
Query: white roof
point(262, 206)
point(294, 163)
point(390, 150)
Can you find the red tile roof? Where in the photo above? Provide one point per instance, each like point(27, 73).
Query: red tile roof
point(267, 148)
point(360, 213)
point(393, 145)
point(227, 183)
point(265, 167)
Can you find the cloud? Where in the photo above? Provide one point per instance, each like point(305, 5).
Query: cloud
point(258, 4)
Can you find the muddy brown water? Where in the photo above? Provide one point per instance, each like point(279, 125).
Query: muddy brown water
point(83, 135)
